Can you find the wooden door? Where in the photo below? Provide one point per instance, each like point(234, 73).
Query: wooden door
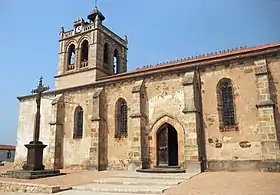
point(162, 146)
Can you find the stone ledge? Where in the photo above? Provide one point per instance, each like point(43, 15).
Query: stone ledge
point(190, 110)
point(244, 165)
point(22, 174)
point(137, 115)
point(54, 123)
point(265, 103)
point(28, 188)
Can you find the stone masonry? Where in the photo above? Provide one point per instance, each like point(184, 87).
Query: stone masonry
point(269, 143)
point(135, 153)
point(190, 111)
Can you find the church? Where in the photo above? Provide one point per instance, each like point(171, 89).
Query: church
point(218, 111)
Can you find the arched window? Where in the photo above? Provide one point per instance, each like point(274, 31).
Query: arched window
point(121, 118)
point(106, 55)
point(71, 57)
point(116, 61)
point(84, 54)
point(78, 123)
point(226, 106)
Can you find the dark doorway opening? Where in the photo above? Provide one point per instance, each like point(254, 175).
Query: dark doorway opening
point(167, 146)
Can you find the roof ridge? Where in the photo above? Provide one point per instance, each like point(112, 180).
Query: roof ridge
point(206, 55)
point(7, 147)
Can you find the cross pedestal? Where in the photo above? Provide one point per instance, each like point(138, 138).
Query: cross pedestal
point(34, 156)
point(34, 167)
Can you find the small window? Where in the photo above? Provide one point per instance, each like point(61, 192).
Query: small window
point(121, 118)
point(116, 65)
point(78, 123)
point(9, 154)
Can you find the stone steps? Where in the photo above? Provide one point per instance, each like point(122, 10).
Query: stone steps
point(162, 169)
point(137, 175)
point(126, 183)
point(135, 189)
point(138, 181)
point(70, 193)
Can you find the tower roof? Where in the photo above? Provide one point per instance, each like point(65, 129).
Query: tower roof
point(95, 12)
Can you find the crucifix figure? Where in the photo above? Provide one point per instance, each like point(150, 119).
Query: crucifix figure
point(35, 147)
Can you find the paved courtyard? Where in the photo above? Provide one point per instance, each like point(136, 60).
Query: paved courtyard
point(217, 183)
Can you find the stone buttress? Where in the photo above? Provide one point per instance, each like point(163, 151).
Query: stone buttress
point(266, 118)
point(136, 127)
point(191, 150)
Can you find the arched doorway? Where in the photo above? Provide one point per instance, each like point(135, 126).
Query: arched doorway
point(167, 146)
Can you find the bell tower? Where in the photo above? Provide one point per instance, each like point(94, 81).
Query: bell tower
point(88, 52)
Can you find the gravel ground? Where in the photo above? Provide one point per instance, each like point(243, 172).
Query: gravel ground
point(229, 183)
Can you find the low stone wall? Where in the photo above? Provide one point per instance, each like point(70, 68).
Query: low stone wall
point(28, 188)
point(243, 165)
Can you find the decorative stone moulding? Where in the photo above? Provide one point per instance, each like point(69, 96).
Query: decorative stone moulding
point(265, 103)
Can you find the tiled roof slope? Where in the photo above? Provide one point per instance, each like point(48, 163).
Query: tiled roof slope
point(190, 61)
point(212, 55)
point(7, 147)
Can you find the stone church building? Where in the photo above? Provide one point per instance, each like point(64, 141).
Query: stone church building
point(218, 111)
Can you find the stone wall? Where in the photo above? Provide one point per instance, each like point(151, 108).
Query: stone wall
point(266, 113)
point(80, 78)
point(172, 98)
point(76, 150)
point(229, 145)
point(26, 120)
point(274, 77)
point(118, 148)
point(165, 104)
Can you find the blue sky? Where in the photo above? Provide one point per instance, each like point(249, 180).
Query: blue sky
point(158, 30)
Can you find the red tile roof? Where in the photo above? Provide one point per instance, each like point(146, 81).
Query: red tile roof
point(208, 56)
point(7, 147)
point(201, 59)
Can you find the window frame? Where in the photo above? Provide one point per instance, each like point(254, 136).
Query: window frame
point(78, 123)
point(121, 118)
point(226, 105)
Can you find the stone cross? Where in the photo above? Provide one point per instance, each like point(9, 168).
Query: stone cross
point(35, 148)
point(39, 90)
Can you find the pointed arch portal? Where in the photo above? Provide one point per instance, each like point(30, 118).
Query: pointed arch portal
point(167, 146)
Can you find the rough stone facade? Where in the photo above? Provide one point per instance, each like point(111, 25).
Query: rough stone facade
point(183, 94)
